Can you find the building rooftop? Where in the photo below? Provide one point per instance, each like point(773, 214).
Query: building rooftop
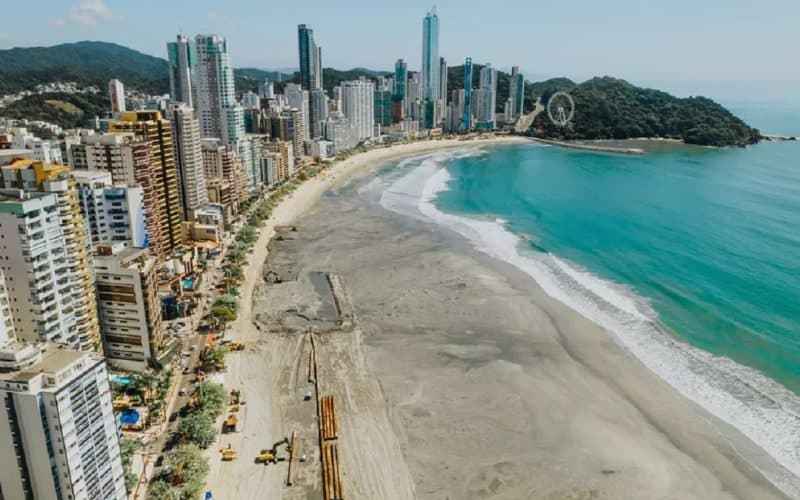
point(55, 358)
point(9, 155)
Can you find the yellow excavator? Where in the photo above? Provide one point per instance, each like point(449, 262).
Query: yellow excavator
point(266, 457)
point(271, 456)
point(230, 424)
point(228, 454)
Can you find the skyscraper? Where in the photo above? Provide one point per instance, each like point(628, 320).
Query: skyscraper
point(188, 158)
point(517, 92)
point(319, 110)
point(116, 92)
point(400, 80)
point(182, 58)
point(443, 80)
point(150, 127)
point(308, 57)
point(466, 122)
point(489, 96)
point(359, 106)
point(220, 116)
point(318, 69)
point(430, 56)
point(310, 75)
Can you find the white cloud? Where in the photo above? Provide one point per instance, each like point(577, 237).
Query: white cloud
point(57, 22)
point(89, 12)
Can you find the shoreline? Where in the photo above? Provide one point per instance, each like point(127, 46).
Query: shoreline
point(653, 353)
point(387, 362)
point(474, 359)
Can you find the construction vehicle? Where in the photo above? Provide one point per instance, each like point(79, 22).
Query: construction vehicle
point(230, 423)
point(228, 454)
point(266, 457)
point(236, 397)
point(236, 346)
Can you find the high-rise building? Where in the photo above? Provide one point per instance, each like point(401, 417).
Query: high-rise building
point(430, 56)
point(34, 259)
point(359, 106)
point(517, 93)
point(285, 150)
point(318, 71)
point(182, 57)
point(127, 158)
point(400, 89)
point(58, 435)
point(31, 176)
point(113, 214)
point(489, 94)
point(215, 95)
point(466, 122)
point(383, 107)
point(130, 309)
point(443, 80)
point(116, 91)
point(319, 110)
point(310, 78)
point(7, 332)
point(188, 158)
point(298, 99)
point(266, 90)
point(150, 127)
point(251, 100)
point(224, 181)
point(309, 54)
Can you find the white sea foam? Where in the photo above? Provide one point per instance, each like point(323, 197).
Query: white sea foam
point(759, 407)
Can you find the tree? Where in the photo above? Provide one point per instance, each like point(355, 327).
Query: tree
point(198, 428)
point(186, 464)
point(211, 398)
point(160, 489)
point(127, 448)
point(223, 313)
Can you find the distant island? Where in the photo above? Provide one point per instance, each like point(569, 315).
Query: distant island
point(606, 108)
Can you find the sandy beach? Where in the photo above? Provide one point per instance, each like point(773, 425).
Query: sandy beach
point(461, 378)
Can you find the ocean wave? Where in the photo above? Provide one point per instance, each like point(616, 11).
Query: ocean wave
point(760, 408)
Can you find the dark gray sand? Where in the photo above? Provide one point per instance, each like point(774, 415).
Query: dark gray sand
point(494, 390)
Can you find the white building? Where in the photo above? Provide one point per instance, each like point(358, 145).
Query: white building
point(251, 100)
point(33, 256)
point(113, 213)
point(188, 158)
point(266, 90)
point(297, 98)
point(486, 118)
point(319, 110)
point(215, 95)
point(341, 133)
point(129, 307)
point(58, 436)
point(358, 106)
point(116, 91)
point(44, 151)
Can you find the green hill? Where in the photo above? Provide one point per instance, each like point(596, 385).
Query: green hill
point(88, 63)
point(609, 108)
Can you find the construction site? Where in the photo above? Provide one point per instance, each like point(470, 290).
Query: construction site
point(306, 418)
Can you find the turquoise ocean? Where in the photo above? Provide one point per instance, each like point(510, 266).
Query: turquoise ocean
point(690, 256)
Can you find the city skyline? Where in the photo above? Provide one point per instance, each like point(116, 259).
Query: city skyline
point(578, 45)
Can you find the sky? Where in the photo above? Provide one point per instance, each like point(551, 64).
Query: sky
point(740, 47)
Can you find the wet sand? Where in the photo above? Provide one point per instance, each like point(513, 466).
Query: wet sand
point(494, 390)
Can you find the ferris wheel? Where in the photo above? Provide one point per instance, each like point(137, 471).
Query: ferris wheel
point(561, 109)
